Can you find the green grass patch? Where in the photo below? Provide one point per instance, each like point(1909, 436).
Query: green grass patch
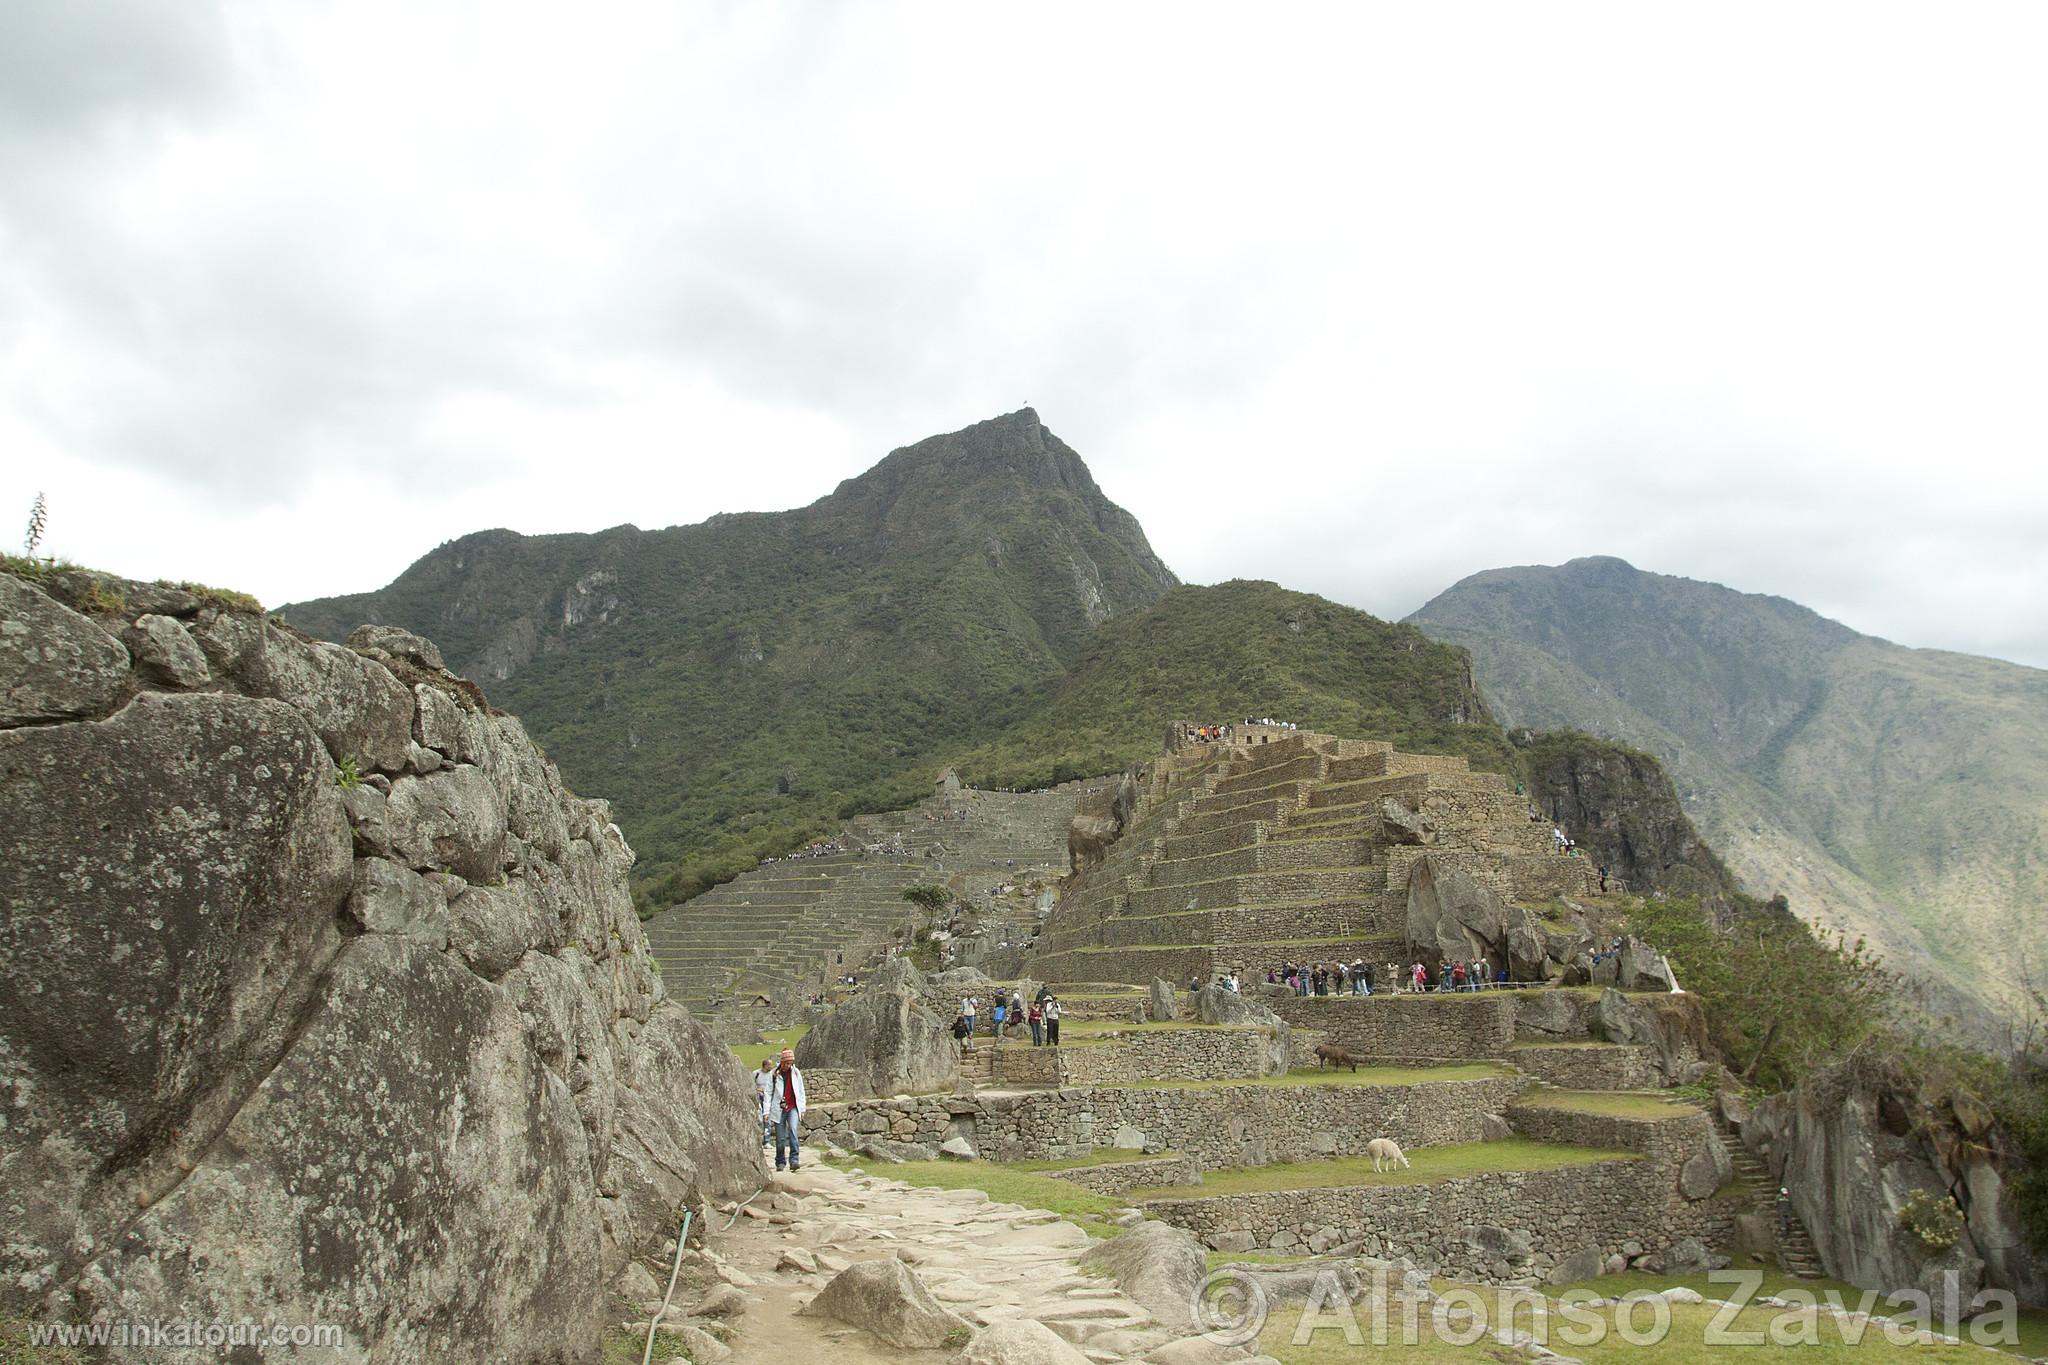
point(1008, 1184)
point(1427, 1165)
point(14, 1333)
point(1620, 1104)
point(1150, 1026)
point(1219, 1259)
point(772, 1042)
point(1543, 1044)
point(1100, 1156)
point(1365, 1075)
point(224, 599)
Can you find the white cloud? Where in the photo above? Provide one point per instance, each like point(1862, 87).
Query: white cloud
point(1396, 293)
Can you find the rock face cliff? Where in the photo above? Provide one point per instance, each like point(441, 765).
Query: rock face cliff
point(327, 1002)
point(1619, 804)
point(1852, 1154)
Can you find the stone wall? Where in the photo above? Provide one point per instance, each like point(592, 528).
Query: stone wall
point(1590, 1066)
point(1409, 1028)
point(1181, 1054)
point(1495, 1227)
point(1121, 1177)
point(342, 1011)
point(1226, 1125)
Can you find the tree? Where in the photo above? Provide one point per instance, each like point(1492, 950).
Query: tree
point(928, 898)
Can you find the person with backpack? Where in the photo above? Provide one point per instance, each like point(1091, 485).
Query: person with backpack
point(1052, 1021)
point(996, 1018)
point(967, 1013)
point(783, 1106)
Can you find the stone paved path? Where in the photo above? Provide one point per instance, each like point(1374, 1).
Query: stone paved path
point(987, 1262)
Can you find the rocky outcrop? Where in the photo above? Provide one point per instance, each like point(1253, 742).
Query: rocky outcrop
point(886, 1298)
point(1619, 804)
point(885, 1042)
point(1100, 821)
point(1158, 1265)
point(336, 1008)
point(1672, 1026)
point(1453, 917)
point(1852, 1154)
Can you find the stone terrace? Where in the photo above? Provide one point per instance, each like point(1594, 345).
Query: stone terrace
point(1298, 848)
point(787, 928)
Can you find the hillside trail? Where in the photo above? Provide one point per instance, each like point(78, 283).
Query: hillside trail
point(987, 1262)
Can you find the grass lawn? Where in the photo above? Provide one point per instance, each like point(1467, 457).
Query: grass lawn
point(1007, 1184)
point(1426, 1166)
point(771, 1045)
point(1101, 1156)
point(1620, 1104)
point(1686, 1342)
point(1365, 1075)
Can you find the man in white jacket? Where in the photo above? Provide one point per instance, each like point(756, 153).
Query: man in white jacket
point(783, 1107)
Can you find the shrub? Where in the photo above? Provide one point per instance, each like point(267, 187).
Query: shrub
point(1936, 1221)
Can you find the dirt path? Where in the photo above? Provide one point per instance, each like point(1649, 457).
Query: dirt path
point(987, 1262)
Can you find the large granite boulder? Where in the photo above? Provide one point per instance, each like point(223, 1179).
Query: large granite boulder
point(886, 1043)
point(1673, 1026)
point(1158, 1266)
point(1454, 917)
point(54, 663)
point(277, 1056)
point(886, 1298)
point(1214, 1004)
point(1163, 1008)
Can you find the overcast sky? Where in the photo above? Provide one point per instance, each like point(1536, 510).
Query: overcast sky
point(289, 294)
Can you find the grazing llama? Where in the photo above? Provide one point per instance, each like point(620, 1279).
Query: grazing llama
point(1384, 1153)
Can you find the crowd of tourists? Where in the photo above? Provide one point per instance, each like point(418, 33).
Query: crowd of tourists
point(1009, 1013)
point(1363, 978)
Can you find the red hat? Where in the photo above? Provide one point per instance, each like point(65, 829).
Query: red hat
point(789, 1054)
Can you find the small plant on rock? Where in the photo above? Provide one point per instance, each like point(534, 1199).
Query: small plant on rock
point(1936, 1221)
point(38, 520)
point(347, 775)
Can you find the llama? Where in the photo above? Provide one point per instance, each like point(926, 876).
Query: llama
point(1384, 1153)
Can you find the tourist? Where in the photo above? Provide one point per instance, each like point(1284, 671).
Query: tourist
point(784, 1107)
point(1458, 976)
point(762, 1079)
point(996, 1017)
point(961, 1034)
point(1482, 975)
point(1603, 879)
point(1418, 979)
point(1365, 978)
point(1016, 1004)
point(1443, 977)
point(1036, 1016)
point(1052, 1021)
point(1394, 977)
point(967, 1008)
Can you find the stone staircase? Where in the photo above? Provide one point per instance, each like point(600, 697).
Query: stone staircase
point(1796, 1252)
point(1247, 856)
point(788, 928)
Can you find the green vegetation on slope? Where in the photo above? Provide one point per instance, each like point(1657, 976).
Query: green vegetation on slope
point(742, 686)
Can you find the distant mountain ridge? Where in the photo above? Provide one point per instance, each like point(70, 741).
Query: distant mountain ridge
point(739, 682)
point(974, 600)
point(1901, 793)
